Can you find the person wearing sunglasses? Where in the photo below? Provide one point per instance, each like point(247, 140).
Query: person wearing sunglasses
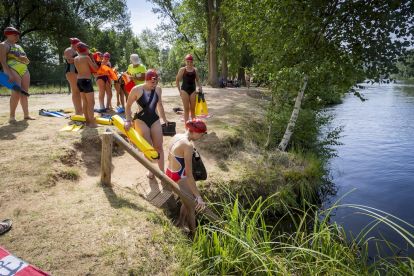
point(180, 156)
point(146, 121)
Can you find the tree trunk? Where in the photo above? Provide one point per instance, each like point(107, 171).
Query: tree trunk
point(213, 29)
point(291, 126)
point(224, 66)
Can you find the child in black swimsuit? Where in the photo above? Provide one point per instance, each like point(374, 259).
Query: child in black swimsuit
point(147, 120)
point(189, 74)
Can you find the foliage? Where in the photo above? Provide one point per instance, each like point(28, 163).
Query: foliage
point(247, 245)
point(405, 65)
point(332, 42)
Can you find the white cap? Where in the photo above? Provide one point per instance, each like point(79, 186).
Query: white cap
point(135, 59)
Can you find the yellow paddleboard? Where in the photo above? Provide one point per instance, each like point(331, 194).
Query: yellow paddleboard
point(137, 139)
point(99, 120)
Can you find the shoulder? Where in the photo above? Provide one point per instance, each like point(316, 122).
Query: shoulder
point(142, 67)
point(158, 89)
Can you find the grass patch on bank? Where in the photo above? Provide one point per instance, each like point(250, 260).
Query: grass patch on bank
point(248, 245)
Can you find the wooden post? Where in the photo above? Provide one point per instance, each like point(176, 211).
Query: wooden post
point(106, 158)
point(162, 176)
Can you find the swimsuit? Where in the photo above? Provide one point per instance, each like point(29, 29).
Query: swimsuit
point(180, 174)
point(84, 85)
point(189, 84)
point(70, 67)
point(149, 116)
point(13, 61)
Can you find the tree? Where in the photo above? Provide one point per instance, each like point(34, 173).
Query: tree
point(300, 41)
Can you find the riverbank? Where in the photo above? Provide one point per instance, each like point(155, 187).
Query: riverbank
point(50, 187)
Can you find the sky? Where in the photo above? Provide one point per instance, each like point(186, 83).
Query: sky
point(141, 15)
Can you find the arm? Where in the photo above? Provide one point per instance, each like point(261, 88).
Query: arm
point(160, 107)
point(188, 161)
point(177, 79)
point(3, 60)
point(198, 81)
point(133, 96)
point(67, 55)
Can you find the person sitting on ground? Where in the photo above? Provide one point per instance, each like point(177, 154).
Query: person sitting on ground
point(147, 123)
point(83, 63)
point(14, 62)
point(136, 70)
point(5, 226)
point(72, 75)
point(189, 74)
point(180, 170)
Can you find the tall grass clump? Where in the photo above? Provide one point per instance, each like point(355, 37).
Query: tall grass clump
point(247, 245)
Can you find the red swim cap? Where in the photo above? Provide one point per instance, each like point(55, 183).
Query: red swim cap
point(196, 125)
point(81, 47)
point(151, 75)
point(10, 31)
point(74, 40)
point(108, 55)
point(189, 57)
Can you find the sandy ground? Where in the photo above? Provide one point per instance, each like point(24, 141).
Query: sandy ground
point(49, 187)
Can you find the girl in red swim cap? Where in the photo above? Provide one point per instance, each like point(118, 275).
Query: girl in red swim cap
point(189, 74)
point(104, 85)
point(146, 121)
point(180, 156)
point(14, 62)
point(72, 74)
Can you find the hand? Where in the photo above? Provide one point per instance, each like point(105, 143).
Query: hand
point(11, 79)
point(166, 122)
point(127, 125)
point(201, 205)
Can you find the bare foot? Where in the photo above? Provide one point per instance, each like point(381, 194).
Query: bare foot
point(94, 125)
point(12, 120)
point(29, 118)
point(150, 175)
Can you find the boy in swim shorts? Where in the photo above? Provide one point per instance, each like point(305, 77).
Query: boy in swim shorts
point(84, 63)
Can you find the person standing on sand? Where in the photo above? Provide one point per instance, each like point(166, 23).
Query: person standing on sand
point(189, 74)
point(247, 78)
point(180, 170)
point(72, 75)
point(147, 121)
point(14, 62)
point(104, 84)
point(84, 82)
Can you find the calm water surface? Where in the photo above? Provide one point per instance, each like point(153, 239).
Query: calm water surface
point(377, 158)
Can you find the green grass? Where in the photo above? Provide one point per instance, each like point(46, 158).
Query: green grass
point(248, 245)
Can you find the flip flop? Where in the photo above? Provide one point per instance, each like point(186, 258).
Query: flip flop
point(5, 226)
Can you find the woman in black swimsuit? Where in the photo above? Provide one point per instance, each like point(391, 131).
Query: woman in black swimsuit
point(188, 87)
point(72, 74)
point(147, 120)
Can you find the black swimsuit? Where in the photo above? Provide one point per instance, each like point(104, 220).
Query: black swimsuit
point(70, 67)
point(189, 84)
point(149, 116)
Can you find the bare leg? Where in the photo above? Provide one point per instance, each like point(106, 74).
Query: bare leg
point(123, 96)
point(185, 98)
point(157, 139)
point(15, 97)
point(76, 97)
point(90, 115)
point(118, 93)
point(193, 105)
point(188, 211)
point(108, 91)
point(101, 97)
point(145, 132)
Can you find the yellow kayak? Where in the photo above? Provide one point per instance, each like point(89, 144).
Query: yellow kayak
point(137, 139)
point(99, 120)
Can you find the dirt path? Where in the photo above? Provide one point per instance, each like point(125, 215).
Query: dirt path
point(49, 187)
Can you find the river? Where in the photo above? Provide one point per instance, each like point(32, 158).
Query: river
point(376, 158)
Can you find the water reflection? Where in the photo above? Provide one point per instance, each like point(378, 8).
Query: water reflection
point(377, 157)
